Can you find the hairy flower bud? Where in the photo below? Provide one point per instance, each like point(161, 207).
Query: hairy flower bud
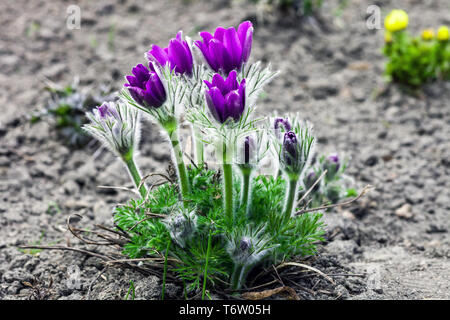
point(182, 226)
point(115, 124)
point(428, 34)
point(332, 164)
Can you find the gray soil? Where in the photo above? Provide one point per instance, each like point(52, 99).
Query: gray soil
point(394, 244)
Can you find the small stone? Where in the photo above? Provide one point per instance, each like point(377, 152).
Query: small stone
point(405, 211)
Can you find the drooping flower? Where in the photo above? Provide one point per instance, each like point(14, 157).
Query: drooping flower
point(177, 54)
point(145, 87)
point(286, 126)
point(428, 34)
point(225, 98)
point(228, 49)
point(443, 33)
point(116, 125)
point(396, 20)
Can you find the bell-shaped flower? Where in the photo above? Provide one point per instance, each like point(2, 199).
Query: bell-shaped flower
point(145, 87)
point(177, 54)
point(116, 125)
point(225, 98)
point(228, 49)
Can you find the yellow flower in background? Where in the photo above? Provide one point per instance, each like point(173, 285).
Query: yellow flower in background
point(388, 37)
point(396, 20)
point(428, 34)
point(443, 33)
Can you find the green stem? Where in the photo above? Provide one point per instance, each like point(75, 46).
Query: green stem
point(165, 270)
point(291, 198)
point(237, 277)
point(199, 148)
point(182, 172)
point(228, 188)
point(205, 274)
point(134, 173)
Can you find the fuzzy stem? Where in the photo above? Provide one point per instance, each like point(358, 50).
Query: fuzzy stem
point(199, 148)
point(205, 275)
point(228, 185)
point(238, 276)
point(165, 269)
point(291, 197)
point(134, 173)
point(182, 172)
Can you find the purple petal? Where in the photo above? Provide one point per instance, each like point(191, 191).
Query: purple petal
point(137, 94)
point(245, 32)
point(231, 83)
point(219, 82)
point(158, 54)
point(216, 103)
point(234, 105)
point(133, 82)
point(141, 73)
point(217, 51)
point(179, 57)
point(233, 47)
point(206, 36)
point(219, 33)
point(204, 48)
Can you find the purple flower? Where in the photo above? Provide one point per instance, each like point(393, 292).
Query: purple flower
point(145, 87)
point(226, 98)
point(290, 151)
point(227, 49)
point(178, 55)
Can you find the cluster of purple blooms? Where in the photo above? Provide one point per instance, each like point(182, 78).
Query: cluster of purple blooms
point(225, 53)
point(224, 95)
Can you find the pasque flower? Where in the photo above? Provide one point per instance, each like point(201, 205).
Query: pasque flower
point(227, 49)
point(290, 149)
point(443, 33)
point(116, 125)
point(177, 54)
point(226, 98)
point(332, 164)
point(145, 87)
point(396, 20)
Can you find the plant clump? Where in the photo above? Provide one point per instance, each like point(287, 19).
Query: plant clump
point(213, 226)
